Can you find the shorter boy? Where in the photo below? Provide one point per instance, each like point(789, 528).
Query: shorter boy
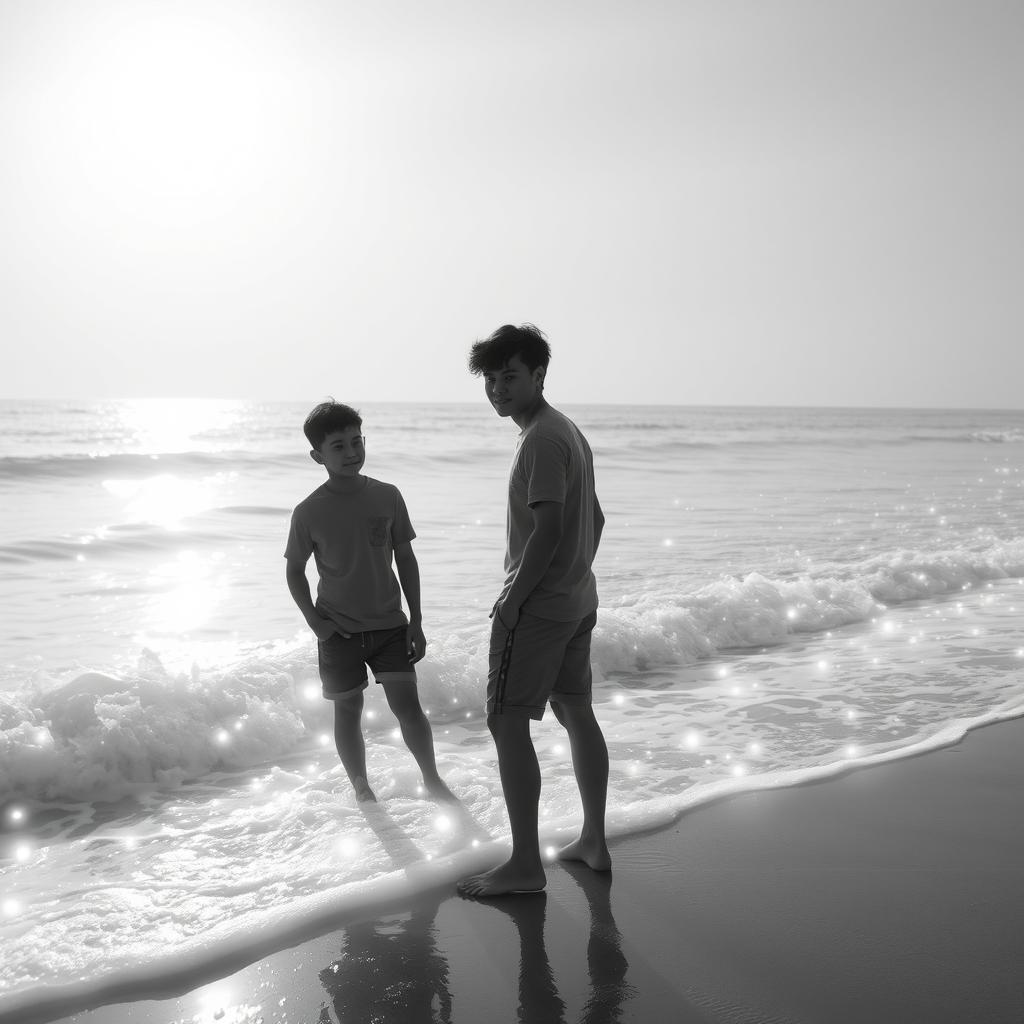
point(353, 525)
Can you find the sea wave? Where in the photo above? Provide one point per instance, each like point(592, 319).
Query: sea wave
point(133, 464)
point(122, 539)
point(1012, 436)
point(839, 440)
point(102, 734)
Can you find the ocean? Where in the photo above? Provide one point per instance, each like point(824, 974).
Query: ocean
point(785, 594)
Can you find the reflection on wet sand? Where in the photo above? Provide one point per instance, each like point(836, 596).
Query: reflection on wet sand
point(394, 969)
point(390, 969)
point(606, 963)
point(539, 999)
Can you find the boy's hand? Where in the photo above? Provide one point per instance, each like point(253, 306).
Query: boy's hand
point(324, 629)
point(507, 615)
point(415, 642)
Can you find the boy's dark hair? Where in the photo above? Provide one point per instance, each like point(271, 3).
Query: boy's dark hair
point(526, 341)
point(327, 418)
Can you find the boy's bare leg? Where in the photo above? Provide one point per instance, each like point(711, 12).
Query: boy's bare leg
point(348, 738)
point(520, 784)
point(590, 763)
point(404, 701)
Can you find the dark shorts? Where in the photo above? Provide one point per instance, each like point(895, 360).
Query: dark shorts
point(343, 661)
point(538, 661)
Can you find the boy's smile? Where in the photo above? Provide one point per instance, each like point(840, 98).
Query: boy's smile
point(514, 390)
point(342, 454)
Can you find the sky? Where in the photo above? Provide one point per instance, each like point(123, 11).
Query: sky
point(767, 202)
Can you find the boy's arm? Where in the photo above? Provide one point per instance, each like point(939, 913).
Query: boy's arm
point(598, 524)
point(538, 551)
point(409, 578)
point(298, 587)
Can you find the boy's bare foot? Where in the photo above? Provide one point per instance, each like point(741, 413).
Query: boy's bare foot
point(593, 853)
point(505, 880)
point(363, 792)
point(439, 791)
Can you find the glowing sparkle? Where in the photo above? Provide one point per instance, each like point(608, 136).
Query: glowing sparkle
point(723, 672)
point(16, 815)
point(443, 823)
point(223, 737)
point(475, 843)
point(324, 739)
point(311, 691)
point(851, 751)
point(618, 699)
point(754, 748)
point(558, 749)
point(823, 665)
point(739, 769)
point(348, 847)
point(851, 714)
point(791, 613)
point(667, 542)
point(691, 740)
point(11, 908)
point(550, 852)
point(23, 852)
point(396, 734)
point(371, 715)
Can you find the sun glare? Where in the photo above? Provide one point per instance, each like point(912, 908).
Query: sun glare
point(169, 114)
point(188, 594)
point(158, 425)
point(165, 499)
point(166, 426)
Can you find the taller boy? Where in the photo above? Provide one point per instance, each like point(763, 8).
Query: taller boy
point(544, 617)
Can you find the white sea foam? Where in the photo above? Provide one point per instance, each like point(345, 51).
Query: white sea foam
point(100, 736)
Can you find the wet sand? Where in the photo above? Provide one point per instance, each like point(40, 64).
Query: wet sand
point(890, 895)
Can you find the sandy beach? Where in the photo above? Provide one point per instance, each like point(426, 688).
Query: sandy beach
point(891, 894)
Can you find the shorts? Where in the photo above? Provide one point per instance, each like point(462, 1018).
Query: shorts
point(343, 661)
point(538, 661)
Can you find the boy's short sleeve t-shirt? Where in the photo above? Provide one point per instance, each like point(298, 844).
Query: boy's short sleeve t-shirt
point(553, 462)
point(352, 538)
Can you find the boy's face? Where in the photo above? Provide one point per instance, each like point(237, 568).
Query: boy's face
point(342, 453)
point(514, 388)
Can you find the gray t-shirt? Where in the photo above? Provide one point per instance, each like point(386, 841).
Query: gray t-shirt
point(553, 462)
point(353, 538)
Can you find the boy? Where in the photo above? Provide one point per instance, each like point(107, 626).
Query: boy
point(543, 619)
point(352, 525)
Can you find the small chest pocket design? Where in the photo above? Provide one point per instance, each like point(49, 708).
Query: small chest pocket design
point(378, 526)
